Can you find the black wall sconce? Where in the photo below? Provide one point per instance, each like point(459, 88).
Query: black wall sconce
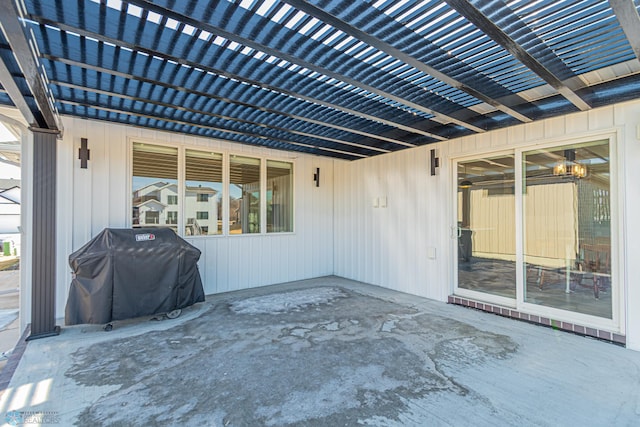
point(316, 177)
point(83, 153)
point(435, 162)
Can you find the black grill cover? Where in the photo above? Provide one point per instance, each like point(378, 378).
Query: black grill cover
point(126, 273)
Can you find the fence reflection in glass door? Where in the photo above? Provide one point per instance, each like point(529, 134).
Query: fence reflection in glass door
point(486, 226)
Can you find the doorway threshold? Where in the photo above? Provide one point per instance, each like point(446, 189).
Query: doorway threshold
point(540, 320)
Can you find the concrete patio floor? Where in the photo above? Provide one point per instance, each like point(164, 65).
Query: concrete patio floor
point(324, 352)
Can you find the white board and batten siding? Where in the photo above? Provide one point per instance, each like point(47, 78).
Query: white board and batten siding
point(92, 199)
point(382, 220)
point(406, 245)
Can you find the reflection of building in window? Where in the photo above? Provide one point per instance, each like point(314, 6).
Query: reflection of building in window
point(156, 201)
point(155, 185)
point(203, 192)
point(172, 217)
point(149, 208)
point(150, 204)
point(200, 200)
point(152, 217)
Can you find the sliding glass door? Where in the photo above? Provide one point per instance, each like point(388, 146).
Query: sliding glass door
point(533, 230)
point(486, 226)
point(567, 228)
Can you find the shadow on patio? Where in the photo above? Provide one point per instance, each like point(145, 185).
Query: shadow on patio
point(326, 351)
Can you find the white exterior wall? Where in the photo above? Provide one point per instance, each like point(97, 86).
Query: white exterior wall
point(389, 246)
point(403, 244)
point(97, 197)
point(407, 246)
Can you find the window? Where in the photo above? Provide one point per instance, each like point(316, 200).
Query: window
point(279, 196)
point(244, 195)
point(203, 191)
point(152, 218)
point(183, 189)
point(155, 180)
point(172, 218)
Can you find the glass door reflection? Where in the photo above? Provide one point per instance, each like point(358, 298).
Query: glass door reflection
point(567, 228)
point(486, 226)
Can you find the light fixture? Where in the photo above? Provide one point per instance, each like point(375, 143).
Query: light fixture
point(560, 167)
point(435, 162)
point(579, 170)
point(316, 177)
point(83, 153)
point(569, 167)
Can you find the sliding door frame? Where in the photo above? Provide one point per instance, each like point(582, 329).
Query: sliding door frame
point(618, 279)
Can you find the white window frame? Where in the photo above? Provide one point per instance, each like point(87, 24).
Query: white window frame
point(226, 155)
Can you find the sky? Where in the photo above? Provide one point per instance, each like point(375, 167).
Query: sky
point(8, 171)
point(5, 135)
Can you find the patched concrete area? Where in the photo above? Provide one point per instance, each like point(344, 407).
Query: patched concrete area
point(325, 352)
